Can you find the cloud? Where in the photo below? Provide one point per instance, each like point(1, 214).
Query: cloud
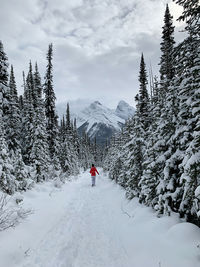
point(97, 43)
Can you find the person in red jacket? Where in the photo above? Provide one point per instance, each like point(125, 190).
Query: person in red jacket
point(93, 172)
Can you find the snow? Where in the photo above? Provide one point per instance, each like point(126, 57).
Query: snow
point(95, 116)
point(124, 110)
point(98, 113)
point(81, 226)
point(197, 192)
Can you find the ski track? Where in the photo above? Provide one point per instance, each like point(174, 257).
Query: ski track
point(93, 229)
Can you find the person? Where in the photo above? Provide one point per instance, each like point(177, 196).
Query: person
point(93, 172)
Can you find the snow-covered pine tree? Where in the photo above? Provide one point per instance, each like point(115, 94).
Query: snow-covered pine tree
point(51, 116)
point(143, 102)
point(76, 140)
point(23, 179)
point(62, 129)
point(125, 156)
point(86, 157)
point(150, 176)
point(3, 66)
point(188, 131)
point(27, 117)
point(21, 103)
point(96, 151)
point(162, 126)
point(21, 98)
point(69, 155)
point(31, 86)
point(4, 88)
point(140, 135)
point(7, 183)
point(166, 60)
point(37, 86)
point(6, 178)
point(50, 109)
point(14, 137)
point(14, 118)
point(39, 156)
point(115, 160)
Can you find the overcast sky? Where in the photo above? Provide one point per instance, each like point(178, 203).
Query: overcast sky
point(97, 43)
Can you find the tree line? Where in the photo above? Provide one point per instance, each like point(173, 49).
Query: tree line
point(157, 155)
point(34, 146)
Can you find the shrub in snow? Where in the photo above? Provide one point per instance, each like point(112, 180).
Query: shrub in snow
point(18, 198)
point(10, 216)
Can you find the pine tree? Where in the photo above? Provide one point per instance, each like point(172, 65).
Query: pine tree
point(76, 140)
point(7, 184)
point(62, 129)
point(6, 177)
point(139, 134)
point(3, 66)
point(50, 109)
point(39, 156)
point(31, 86)
point(23, 180)
point(143, 97)
point(162, 125)
point(188, 130)
point(37, 85)
point(167, 47)
point(27, 117)
point(190, 14)
point(68, 122)
point(69, 153)
point(86, 157)
point(4, 89)
point(21, 103)
point(14, 120)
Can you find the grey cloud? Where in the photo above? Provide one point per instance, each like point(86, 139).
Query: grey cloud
point(97, 43)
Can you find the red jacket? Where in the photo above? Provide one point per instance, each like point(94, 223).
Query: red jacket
point(93, 171)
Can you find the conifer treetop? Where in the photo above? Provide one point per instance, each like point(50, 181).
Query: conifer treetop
point(3, 65)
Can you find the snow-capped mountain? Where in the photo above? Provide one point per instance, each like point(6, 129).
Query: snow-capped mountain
point(98, 120)
point(124, 110)
point(101, 122)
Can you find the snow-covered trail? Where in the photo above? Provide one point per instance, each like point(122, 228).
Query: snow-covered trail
point(84, 226)
point(87, 234)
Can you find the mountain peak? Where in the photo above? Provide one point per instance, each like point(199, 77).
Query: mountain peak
point(100, 121)
point(122, 103)
point(95, 105)
point(124, 110)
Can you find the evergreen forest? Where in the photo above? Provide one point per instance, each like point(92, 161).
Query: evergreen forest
point(34, 146)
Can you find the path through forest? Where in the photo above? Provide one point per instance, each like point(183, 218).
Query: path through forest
point(82, 226)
